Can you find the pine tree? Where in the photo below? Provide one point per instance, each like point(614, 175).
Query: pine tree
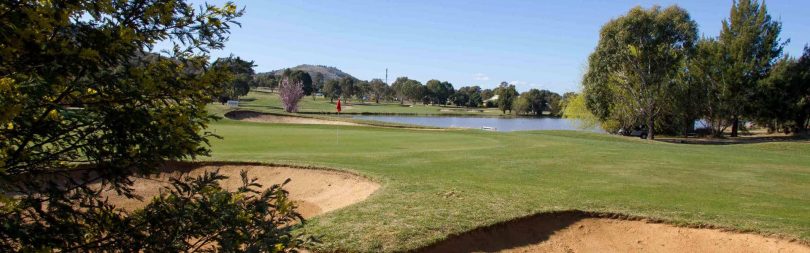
point(751, 45)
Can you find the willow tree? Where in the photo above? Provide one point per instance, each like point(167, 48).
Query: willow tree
point(575, 108)
point(750, 43)
point(634, 67)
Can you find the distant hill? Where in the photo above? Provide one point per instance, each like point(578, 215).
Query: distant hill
point(329, 73)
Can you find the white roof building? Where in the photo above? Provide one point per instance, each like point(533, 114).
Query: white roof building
point(492, 99)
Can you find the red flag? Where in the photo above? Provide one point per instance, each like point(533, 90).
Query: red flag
point(338, 105)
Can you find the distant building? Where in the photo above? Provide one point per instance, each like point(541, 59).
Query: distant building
point(493, 99)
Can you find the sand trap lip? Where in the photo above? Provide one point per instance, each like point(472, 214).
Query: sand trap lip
point(316, 191)
point(252, 116)
point(576, 231)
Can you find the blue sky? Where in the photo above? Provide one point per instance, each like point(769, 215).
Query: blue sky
point(534, 44)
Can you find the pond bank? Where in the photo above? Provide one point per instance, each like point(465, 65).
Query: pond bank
point(475, 122)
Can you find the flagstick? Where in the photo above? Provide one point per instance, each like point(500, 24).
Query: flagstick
point(337, 128)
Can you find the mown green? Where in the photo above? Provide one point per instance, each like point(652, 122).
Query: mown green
point(437, 183)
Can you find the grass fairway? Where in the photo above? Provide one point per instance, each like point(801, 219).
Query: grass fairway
point(436, 183)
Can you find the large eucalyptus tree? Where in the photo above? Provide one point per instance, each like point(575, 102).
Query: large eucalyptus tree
point(633, 70)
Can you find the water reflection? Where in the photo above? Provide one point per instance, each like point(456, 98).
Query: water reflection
point(498, 124)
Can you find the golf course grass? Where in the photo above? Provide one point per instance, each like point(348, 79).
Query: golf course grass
point(438, 183)
point(270, 102)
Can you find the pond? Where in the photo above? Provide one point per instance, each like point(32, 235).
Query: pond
point(494, 123)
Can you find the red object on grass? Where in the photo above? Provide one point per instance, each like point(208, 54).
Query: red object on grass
point(338, 105)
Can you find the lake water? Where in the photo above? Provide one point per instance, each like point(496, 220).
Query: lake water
point(500, 124)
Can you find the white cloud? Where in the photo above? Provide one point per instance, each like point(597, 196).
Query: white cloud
point(518, 82)
point(480, 77)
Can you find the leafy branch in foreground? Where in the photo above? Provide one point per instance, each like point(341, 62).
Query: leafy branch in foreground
point(86, 104)
point(196, 214)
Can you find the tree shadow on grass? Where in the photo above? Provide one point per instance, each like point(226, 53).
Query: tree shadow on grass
point(736, 140)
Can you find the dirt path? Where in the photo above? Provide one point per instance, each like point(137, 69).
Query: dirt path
point(270, 118)
point(576, 232)
point(315, 191)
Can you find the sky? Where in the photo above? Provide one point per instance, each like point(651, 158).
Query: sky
point(532, 44)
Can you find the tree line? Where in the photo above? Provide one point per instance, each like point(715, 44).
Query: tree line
point(651, 70)
point(402, 90)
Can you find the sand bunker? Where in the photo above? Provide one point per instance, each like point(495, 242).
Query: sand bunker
point(271, 118)
point(315, 191)
point(579, 232)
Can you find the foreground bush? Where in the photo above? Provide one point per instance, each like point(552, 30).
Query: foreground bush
point(197, 214)
point(86, 103)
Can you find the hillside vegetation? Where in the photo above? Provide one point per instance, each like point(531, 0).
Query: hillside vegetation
point(329, 73)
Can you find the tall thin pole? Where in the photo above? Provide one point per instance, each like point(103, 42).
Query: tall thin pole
point(386, 75)
point(337, 130)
